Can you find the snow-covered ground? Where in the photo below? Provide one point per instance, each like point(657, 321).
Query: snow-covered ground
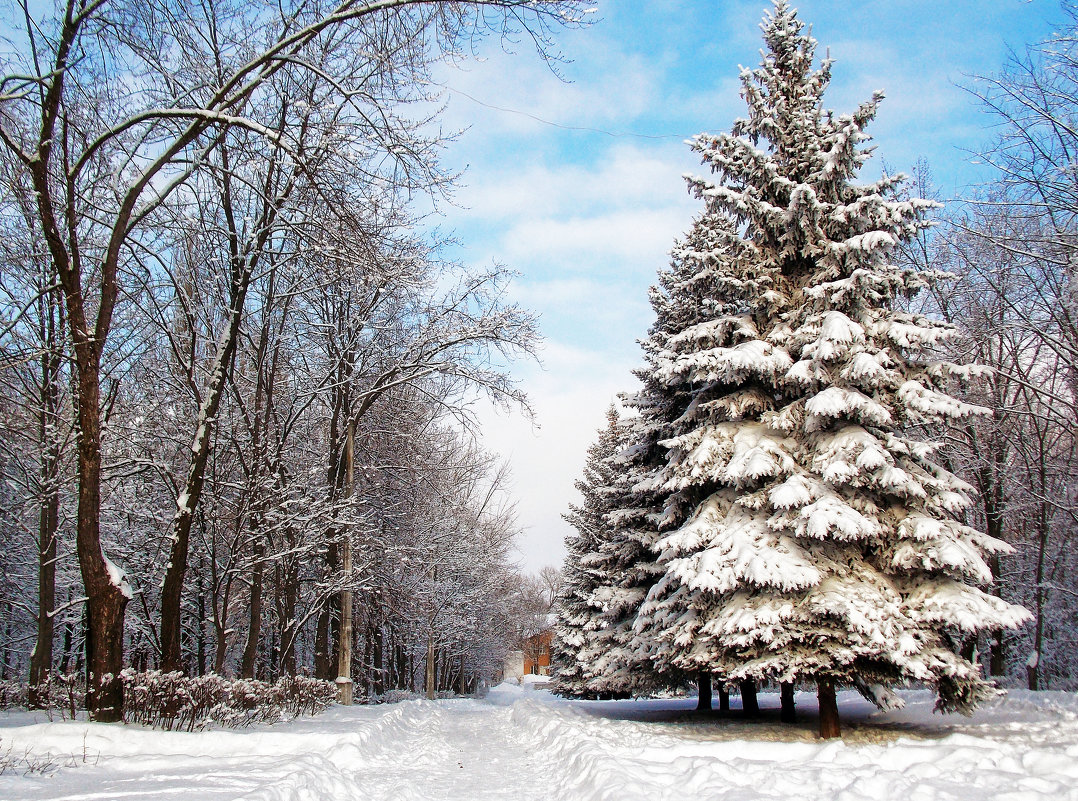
point(522, 743)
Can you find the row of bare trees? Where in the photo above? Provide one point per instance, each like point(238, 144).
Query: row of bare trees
point(1013, 249)
point(213, 289)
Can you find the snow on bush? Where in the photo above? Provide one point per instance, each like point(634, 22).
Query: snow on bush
point(12, 693)
point(173, 701)
point(62, 693)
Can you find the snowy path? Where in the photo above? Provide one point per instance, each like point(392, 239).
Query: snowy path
point(523, 746)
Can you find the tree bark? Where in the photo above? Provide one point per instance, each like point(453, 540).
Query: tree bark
point(829, 721)
point(703, 688)
point(325, 647)
point(344, 657)
point(187, 500)
point(429, 673)
point(724, 699)
point(786, 694)
point(749, 704)
point(254, 630)
point(41, 659)
point(106, 602)
point(289, 602)
point(51, 324)
point(106, 599)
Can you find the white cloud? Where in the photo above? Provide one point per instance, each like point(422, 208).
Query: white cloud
point(635, 238)
point(617, 176)
point(547, 459)
point(518, 94)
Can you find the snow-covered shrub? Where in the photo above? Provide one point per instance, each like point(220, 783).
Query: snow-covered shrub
point(61, 693)
point(12, 693)
point(173, 701)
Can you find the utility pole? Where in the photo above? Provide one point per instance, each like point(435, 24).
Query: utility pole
point(344, 650)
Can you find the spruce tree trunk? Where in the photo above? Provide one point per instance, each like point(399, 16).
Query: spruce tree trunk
point(787, 714)
point(749, 705)
point(724, 699)
point(703, 686)
point(829, 722)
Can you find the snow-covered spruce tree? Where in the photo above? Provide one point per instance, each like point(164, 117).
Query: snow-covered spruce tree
point(808, 535)
point(577, 618)
point(624, 566)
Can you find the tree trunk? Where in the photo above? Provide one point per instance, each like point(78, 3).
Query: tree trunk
point(786, 693)
point(429, 673)
point(344, 656)
point(67, 645)
point(49, 504)
point(187, 502)
point(829, 722)
point(749, 705)
point(325, 666)
point(323, 649)
point(106, 595)
point(1033, 665)
point(703, 689)
point(378, 682)
point(41, 659)
point(254, 631)
point(220, 627)
point(461, 678)
point(724, 699)
point(994, 501)
point(200, 631)
point(289, 632)
point(997, 654)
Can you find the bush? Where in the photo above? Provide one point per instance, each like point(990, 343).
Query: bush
point(12, 693)
point(171, 701)
point(60, 693)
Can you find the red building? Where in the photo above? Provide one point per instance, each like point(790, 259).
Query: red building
point(537, 653)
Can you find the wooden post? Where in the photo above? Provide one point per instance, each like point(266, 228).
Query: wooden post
point(344, 650)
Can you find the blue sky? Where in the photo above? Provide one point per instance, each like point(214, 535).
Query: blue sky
point(588, 217)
